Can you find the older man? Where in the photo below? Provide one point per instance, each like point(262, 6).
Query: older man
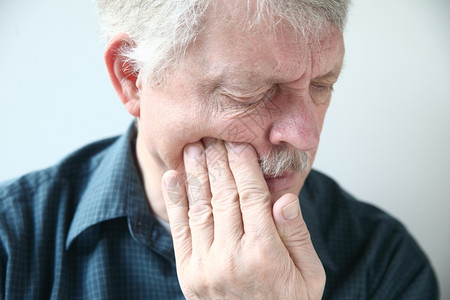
point(199, 199)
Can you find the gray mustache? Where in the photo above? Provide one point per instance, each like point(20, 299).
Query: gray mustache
point(282, 159)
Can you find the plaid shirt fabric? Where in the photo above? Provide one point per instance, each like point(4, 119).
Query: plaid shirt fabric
point(83, 230)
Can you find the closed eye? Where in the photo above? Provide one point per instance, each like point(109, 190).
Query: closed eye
point(253, 99)
point(320, 93)
point(321, 88)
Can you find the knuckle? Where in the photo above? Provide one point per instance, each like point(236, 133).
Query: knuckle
point(225, 196)
point(298, 235)
point(226, 191)
point(250, 194)
point(200, 212)
point(179, 230)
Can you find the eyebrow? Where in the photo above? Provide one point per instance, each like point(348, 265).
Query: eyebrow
point(332, 75)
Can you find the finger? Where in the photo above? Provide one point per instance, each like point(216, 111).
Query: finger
point(295, 236)
point(176, 202)
point(254, 195)
point(225, 198)
point(199, 195)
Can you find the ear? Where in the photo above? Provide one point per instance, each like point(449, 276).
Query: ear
point(124, 80)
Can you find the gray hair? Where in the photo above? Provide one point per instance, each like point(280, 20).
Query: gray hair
point(163, 30)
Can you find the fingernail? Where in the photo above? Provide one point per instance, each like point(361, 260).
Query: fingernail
point(173, 193)
point(291, 211)
point(171, 182)
point(194, 150)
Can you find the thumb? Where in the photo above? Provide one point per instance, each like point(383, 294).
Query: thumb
point(296, 238)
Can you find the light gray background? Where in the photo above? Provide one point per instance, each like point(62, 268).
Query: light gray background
point(386, 137)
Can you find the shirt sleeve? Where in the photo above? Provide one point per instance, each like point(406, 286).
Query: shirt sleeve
point(405, 272)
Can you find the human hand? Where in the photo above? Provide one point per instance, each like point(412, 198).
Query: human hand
point(229, 242)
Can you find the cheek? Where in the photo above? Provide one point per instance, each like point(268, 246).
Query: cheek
point(241, 126)
point(167, 128)
point(248, 124)
point(319, 116)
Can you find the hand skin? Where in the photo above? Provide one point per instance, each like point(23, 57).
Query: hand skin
point(230, 243)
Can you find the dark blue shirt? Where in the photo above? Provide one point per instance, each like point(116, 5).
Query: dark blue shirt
point(83, 230)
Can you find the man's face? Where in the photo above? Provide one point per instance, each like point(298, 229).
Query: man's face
point(270, 90)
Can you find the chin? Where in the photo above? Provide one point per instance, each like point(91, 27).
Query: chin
point(286, 183)
point(290, 182)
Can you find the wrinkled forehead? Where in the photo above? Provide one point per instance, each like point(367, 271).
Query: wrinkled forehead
point(233, 51)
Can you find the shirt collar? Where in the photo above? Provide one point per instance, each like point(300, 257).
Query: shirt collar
point(113, 190)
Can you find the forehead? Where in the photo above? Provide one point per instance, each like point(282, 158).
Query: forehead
point(228, 52)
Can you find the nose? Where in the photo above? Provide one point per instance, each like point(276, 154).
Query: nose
point(296, 126)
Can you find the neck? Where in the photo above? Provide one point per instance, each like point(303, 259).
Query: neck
point(151, 174)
